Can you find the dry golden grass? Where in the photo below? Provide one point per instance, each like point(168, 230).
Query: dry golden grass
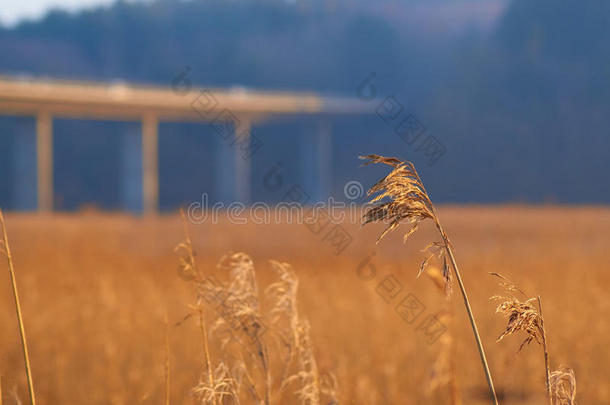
point(95, 290)
point(264, 359)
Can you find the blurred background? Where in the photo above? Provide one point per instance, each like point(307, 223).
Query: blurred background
point(514, 92)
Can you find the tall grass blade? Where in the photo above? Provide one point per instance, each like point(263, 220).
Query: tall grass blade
point(7, 251)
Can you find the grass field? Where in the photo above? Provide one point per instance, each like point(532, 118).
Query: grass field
point(95, 289)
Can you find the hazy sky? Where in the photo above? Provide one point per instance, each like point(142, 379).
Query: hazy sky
point(12, 11)
point(446, 14)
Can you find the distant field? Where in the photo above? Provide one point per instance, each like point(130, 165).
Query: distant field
point(95, 289)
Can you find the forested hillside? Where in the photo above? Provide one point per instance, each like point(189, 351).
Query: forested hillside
point(518, 92)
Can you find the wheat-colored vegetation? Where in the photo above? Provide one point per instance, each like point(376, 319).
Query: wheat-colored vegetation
point(95, 290)
point(264, 357)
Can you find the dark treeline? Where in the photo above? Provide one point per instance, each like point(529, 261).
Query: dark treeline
point(517, 91)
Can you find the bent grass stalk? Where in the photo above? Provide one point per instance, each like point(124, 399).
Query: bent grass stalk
point(409, 202)
point(473, 323)
point(4, 246)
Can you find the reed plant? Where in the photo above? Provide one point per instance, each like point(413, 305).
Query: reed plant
point(400, 197)
point(525, 315)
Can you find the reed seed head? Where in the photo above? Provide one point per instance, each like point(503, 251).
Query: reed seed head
point(222, 386)
point(563, 386)
point(522, 316)
point(409, 200)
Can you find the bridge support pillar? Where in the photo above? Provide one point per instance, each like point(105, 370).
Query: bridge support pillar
point(131, 171)
point(242, 162)
point(316, 161)
point(24, 165)
point(233, 179)
point(150, 164)
point(44, 145)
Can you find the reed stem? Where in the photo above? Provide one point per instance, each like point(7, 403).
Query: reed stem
point(473, 323)
point(24, 345)
point(206, 349)
point(546, 354)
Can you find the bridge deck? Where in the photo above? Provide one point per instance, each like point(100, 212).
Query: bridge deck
point(240, 108)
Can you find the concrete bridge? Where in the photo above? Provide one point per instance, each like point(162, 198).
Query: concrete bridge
point(232, 112)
